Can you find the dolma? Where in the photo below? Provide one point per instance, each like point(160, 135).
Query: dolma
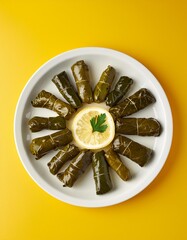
point(76, 168)
point(133, 150)
point(103, 86)
point(36, 124)
point(101, 173)
point(66, 89)
point(81, 75)
point(42, 145)
point(121, 88)
point(49, 101)
point(138, 126)
point(66, 154)
point(117, 165)
point(132, 104)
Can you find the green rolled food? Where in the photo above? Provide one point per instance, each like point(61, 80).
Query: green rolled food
point(76, 168)
point(66, 89)
point(133, 150)
point(117, 165)
point(66, 154)
point(37, 124)
point(133, 104)
point(138, 126)
point(42, 145)
point(121, 88)
point(103, 86)
point(101, 173)
point(49, 101)
point(81, 75)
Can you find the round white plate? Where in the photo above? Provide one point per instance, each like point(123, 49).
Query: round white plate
point(83, 191)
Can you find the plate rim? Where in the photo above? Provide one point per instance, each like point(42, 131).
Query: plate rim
point(17, 127)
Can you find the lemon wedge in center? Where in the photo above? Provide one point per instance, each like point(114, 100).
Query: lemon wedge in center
point(83, 132)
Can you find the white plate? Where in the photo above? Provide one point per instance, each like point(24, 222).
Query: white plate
point(83, 192)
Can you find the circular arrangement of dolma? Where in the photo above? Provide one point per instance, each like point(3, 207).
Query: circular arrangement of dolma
point(101, 160)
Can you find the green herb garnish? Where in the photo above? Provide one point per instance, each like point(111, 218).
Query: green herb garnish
point(97, 123)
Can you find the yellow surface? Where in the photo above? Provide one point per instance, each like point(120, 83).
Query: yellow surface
point(155, 33)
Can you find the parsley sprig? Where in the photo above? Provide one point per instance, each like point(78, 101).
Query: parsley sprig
point(97, 123)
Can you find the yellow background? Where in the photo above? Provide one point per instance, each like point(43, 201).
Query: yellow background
point(155, 33)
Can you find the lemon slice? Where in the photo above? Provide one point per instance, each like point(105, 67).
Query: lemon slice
point(83, 133)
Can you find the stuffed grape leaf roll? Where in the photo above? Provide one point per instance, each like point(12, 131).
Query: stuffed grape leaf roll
point(103, 86)
point(133, 150)
point(117, 165)
point(66, 89)
point(138, 126)
point(121, 88)
point(50, 101)
point(82, 79)
point(42, 145)
point(66, 154)
point(76, 168)
point(101, 173)
point(37, 124)
point(132, 104)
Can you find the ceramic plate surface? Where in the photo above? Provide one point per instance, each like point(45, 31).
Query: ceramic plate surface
point(83, 191)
